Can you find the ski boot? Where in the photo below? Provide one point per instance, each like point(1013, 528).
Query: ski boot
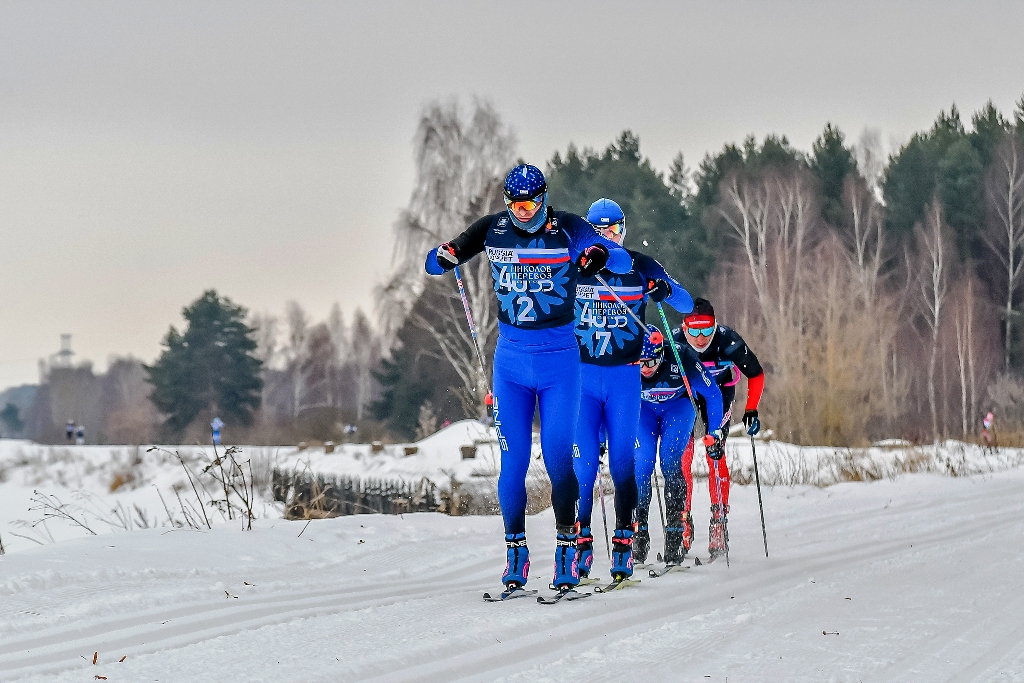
point(688, 532)
point(641, 544)
point(585, 548)
point(517, 566)
point(622, 554)
point(567, 571)
point(718, 531)
point(674, 550)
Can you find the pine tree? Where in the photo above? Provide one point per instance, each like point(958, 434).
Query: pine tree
point(211, 367)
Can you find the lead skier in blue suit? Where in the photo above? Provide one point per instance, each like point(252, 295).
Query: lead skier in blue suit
point(537, 255)
point(610, 342)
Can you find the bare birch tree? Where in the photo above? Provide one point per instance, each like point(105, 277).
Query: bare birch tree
point(1004, 188)
point(773, 214)
point(460, 164)
point(933, 280)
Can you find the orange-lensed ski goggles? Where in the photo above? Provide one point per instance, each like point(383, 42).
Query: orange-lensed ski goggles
point(524, 204)
point(616, 228)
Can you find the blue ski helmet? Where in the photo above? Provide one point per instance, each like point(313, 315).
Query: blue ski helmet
point(604, 212)
point(654, 344)
point(525, 182)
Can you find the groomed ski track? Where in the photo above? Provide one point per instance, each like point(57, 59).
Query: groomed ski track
point(916, 579)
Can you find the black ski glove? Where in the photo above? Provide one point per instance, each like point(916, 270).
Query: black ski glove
point(751, 422)
point(446, 257)
point(713, 444)
point(592, 260)
point(658, 290)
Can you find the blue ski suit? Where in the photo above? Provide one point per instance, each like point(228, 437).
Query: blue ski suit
point(667, 413)
point(536, 359)
point(610, 342)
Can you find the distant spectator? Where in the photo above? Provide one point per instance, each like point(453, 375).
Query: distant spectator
point(80, 435)
point(350, 429)
point(216, 426)
point(70, 429)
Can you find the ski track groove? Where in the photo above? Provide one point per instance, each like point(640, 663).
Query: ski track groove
point(706, 589)
point(586, 631)
point(203, 621)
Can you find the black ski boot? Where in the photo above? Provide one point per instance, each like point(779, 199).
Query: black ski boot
point(674, 550)
point(641, 544)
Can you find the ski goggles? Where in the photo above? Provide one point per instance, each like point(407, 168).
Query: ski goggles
point(524, 204)
point(616, 228)
point(650, 363)
point(700, 331)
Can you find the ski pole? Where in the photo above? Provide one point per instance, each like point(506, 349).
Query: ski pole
point(682, 370)
point(757, 479)
point(472, 329)
point(721, 509)
point(668, 333)
point(661, 510)
point(604, 513)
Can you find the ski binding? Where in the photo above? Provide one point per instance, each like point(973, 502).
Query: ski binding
point(567, 593)
point(585, 581)
point(661, 571)
point(510, 593)
point(616, 585)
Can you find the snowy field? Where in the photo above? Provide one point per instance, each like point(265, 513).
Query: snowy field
point(916, 580)
point(913, 577)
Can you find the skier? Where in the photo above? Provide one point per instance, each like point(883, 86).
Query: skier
point(537, 254)
point(69, 429)
point(666, 413)
point(80, 435)
point(610, 342)
point(987, 427)
point(725, 355)
point(216, 425)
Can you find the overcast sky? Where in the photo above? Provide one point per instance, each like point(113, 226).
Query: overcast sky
point(149, 151)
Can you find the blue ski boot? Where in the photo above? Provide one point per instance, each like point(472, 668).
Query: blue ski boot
point(517, 566)
point(622, 554)
point(585, 548)
point(567, 571)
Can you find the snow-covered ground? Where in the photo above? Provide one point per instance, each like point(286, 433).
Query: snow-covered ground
point(916, 579)
point(900, 577)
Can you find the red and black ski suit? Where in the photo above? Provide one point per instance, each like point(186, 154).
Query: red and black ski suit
point(725, 358)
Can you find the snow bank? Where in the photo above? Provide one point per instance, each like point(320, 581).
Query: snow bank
point(119, 488)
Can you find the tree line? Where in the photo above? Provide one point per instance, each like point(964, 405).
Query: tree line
point(881, 290)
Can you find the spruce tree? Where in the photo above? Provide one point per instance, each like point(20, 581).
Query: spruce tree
point(211, 367)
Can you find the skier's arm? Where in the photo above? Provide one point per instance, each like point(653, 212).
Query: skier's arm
point(678, 297)
point(466, 246)
point(703, 384)
point(582, 235)
point(737, 351)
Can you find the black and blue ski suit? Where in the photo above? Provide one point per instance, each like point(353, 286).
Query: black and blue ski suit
point(610, 342)
point(536, 359)
point(666, 412)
